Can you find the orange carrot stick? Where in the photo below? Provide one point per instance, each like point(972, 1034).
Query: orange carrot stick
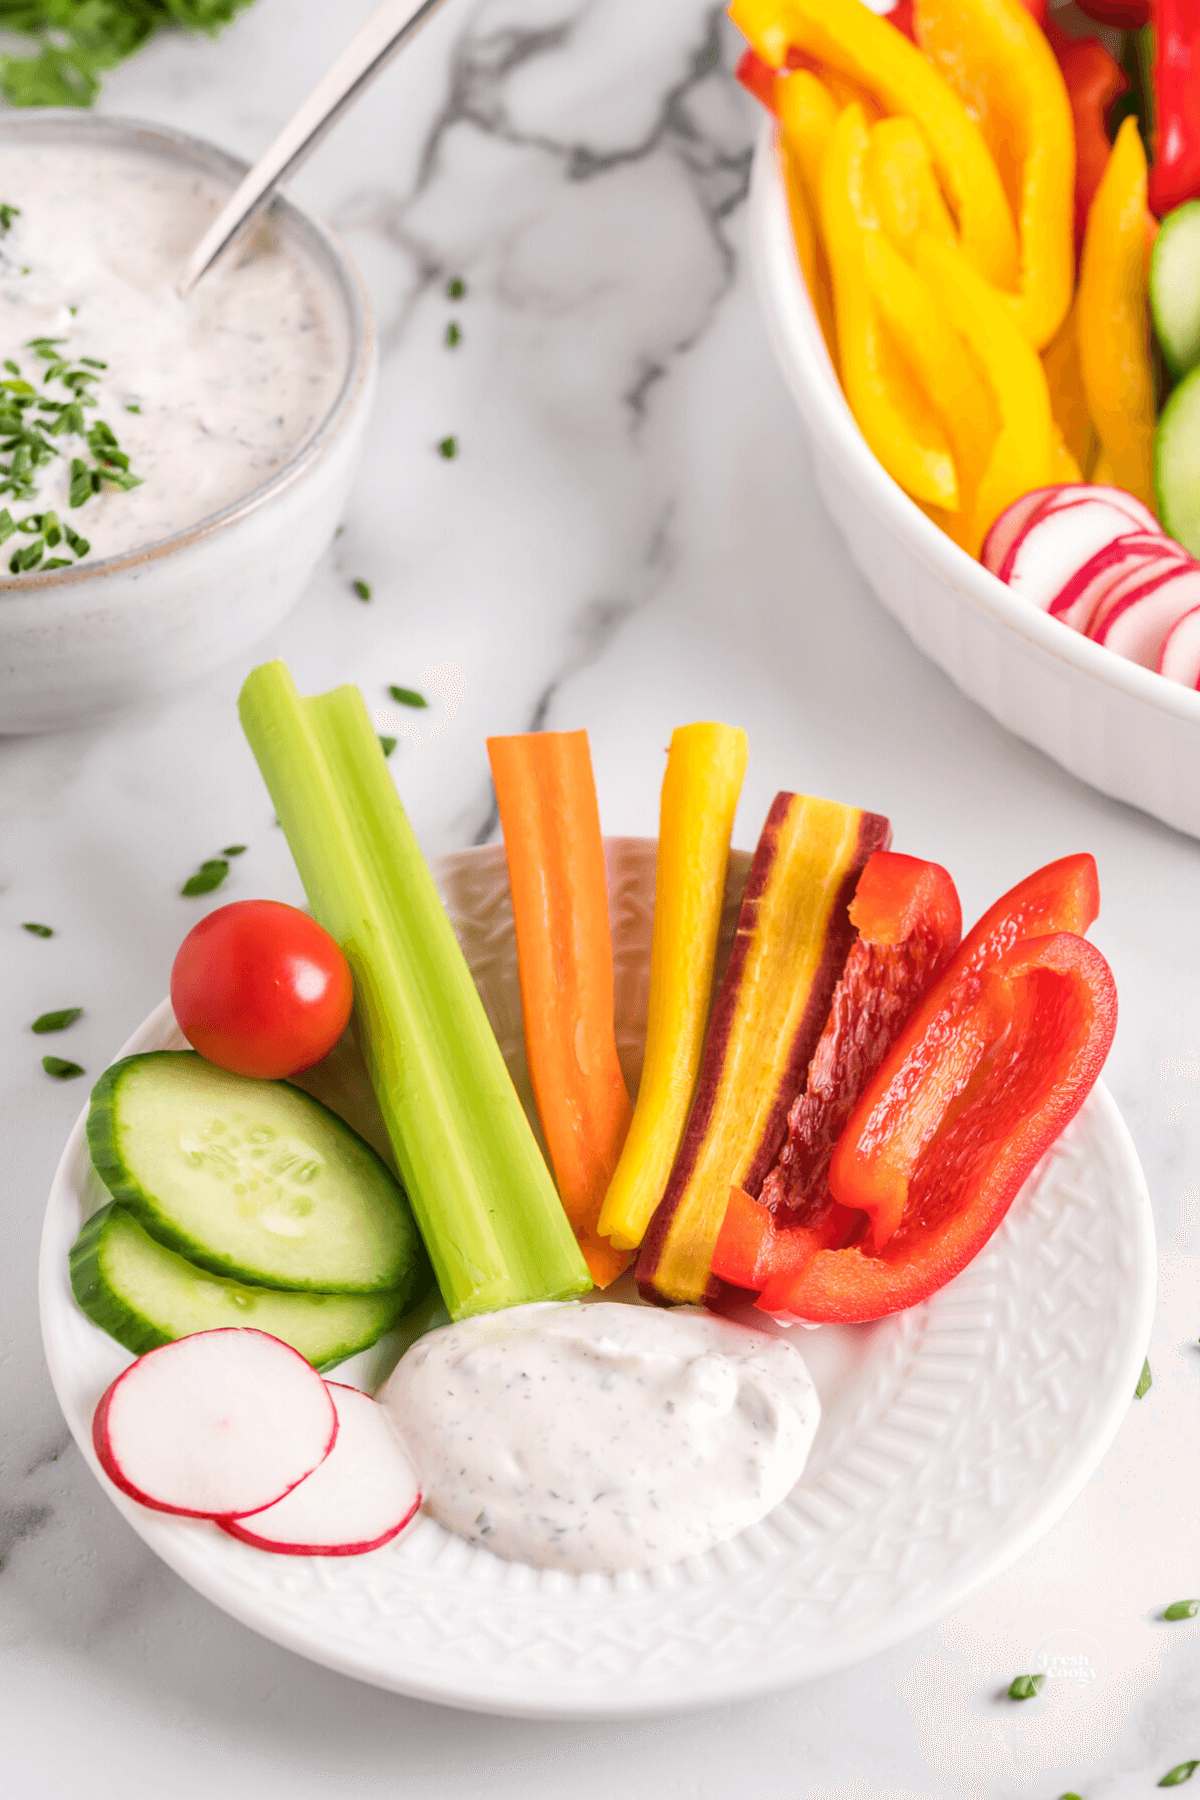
point(547, 801)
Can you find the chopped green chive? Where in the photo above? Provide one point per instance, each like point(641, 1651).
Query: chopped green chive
point(1181, 1772)
point(1182, 1609)
point(37, 930)
point(210, 875)
point(386, 744)
point(362, 588)
point(60, 1068)
point(408, 696)
point(132, 406)
point(448, 447)
point(453, 336)
point(1145, 1381)
point(1026, 1687)
point(234, 850)
point(56, 1021)
point(7, 215)
point(456, 287)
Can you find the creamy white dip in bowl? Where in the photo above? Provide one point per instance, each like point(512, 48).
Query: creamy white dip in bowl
point(1122, 728)
point(241, 411)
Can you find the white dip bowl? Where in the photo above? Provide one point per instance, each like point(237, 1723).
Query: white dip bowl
point(79, 642)
point(1122, 728)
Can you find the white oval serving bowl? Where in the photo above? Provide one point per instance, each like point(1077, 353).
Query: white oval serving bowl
point(1122, 728)
point(952, 1436)
point(81, 642)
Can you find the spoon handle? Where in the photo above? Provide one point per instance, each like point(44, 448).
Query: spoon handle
point(388, 29)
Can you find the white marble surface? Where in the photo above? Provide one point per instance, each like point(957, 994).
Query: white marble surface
point(629, 538)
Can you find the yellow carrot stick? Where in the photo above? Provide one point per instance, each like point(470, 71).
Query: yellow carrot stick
point(705, 766)
point(547, 802)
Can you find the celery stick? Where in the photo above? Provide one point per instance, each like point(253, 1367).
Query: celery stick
point(480, 1191)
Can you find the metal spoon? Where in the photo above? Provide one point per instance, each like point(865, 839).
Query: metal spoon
point(389, 28)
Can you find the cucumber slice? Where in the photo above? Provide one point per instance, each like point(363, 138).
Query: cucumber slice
point(145, 1296)
point(252, 1179)
point(1175, 288)
point(1177, 464)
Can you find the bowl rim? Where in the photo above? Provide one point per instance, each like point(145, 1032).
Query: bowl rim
point(796, 338)
point(184, 148)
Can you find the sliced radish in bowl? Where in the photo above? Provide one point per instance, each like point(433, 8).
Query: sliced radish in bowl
point(1136, 625)
point(1179, 659)
point(215, 1425)
point(363, 1494)
point(1059, 540)
point(1138, 556)
point(1008, 527)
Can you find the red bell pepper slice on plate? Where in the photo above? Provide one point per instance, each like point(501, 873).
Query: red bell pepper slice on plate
point(1175, 171)
point(957, 1121)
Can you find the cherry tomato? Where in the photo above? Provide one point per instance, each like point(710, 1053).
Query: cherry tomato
point(260, 989)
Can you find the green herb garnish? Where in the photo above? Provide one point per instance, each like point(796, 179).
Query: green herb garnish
point(453, 336)
point(210, 875)
point(1145, 1381)
point(1181, 1772)
point(234, 850)
point(362, 588)
point(456, 287)
point(408, 696)
point(1026, 1687)
point(60, 1068)
point(132, 407)
point(56, 1021)
point(387, 744)
point(448, 447)
point(78, 41)
point(37, 930)
point(1182, 1609)
point(7, 215)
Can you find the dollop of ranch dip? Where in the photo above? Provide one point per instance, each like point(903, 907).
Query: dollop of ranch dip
point(602, 1437)
point(207, 397)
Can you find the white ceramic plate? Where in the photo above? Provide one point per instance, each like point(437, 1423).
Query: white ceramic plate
point(952, 1437)
point(1120, 727)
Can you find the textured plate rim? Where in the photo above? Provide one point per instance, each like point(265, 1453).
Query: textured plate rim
point(474, 1690)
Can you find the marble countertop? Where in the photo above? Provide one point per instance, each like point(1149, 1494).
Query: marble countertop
point(629, 537)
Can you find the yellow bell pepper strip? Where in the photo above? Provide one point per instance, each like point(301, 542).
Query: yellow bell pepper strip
point(1023, 454)
point(1113, 319)
point(893, 415)
point(1000, 65)
point(705, 766)
point(1068, 402)
point(904, 187)
point(1065, 471)
point(807, 115)
point(844, 36)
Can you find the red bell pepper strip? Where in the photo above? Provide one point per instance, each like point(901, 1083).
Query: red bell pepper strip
point(909, 922)
point(1094, 79)
point(1008, 1057)
point(758, 78)
point(898, 1111)
point(1122, 15)
point(1175, 171)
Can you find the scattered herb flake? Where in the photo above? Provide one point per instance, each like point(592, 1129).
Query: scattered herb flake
point(386, 744)
point(362, 588)
point(408, 696)
point(61, 1069)
point(448, 447)
point(37, 930)
point(1026, 1687)
point(132, 406)
point(1181, 1772)
point(234, 850)
point(453, 336)
point(7, 214)
point(56, 1021)
point(209, 876)
point(456, 287)
point(1182, 1609)
point(1145, 1381)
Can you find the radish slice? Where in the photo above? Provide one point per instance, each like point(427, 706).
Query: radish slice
point(213, 1425)
point(1140, 554)
point(1005, 530)
point(1179, 659)
point(363, 1494)
point(1070, 493)
point(1136, 625)
point(1057, 542)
